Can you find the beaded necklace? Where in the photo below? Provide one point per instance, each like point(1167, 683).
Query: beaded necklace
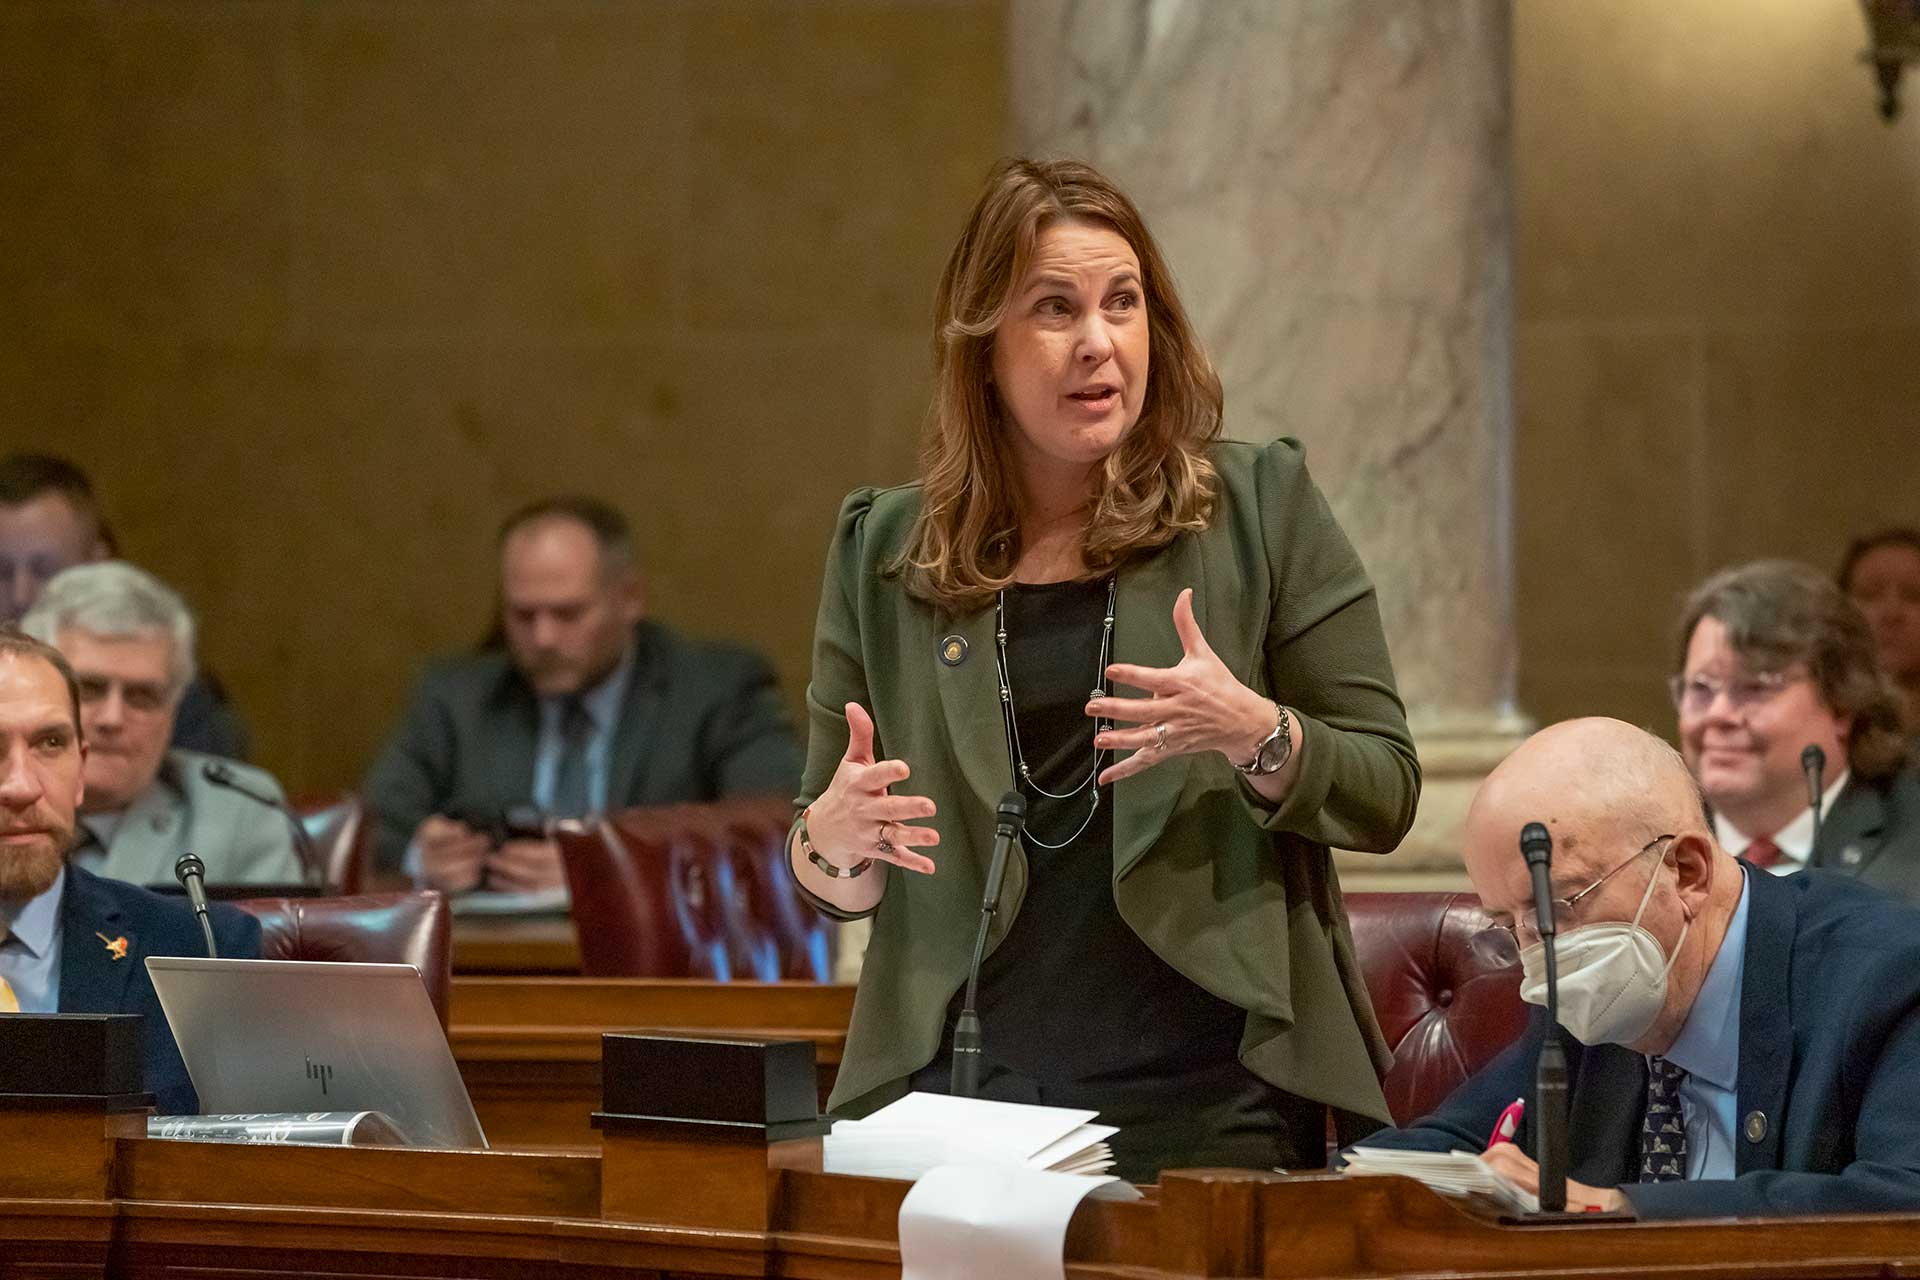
point(1023, 775)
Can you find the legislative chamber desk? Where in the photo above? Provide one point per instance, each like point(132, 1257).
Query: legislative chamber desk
point(81, 1196)
point(529, 1048)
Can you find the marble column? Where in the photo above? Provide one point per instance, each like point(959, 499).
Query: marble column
point(1331, 183)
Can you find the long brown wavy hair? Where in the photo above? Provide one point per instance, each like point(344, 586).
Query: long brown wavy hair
point(1156, 484)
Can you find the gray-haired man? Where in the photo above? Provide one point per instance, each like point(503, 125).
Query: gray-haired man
point(130, 640)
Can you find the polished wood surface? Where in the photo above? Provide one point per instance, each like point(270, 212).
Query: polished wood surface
point(174, 1209)
point(529, 1048)
point(543, 945)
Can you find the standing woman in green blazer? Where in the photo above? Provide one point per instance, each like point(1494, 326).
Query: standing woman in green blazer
point(1166, 642)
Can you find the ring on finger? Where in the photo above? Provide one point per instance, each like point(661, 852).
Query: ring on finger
point(1160, 736)
point(880, 841)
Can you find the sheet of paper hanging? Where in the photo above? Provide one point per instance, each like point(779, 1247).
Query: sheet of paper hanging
point(961, 1222)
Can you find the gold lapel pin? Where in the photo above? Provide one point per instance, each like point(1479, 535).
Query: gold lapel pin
point(953, 650)
point(116, 947)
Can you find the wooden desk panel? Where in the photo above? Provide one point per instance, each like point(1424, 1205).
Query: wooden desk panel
point(485, 1215)
point(529, 1048)
point(528, 945)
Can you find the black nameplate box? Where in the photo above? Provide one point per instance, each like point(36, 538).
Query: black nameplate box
point(717, 1086)
point(72, 1058)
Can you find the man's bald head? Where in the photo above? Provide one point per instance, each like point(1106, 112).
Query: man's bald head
point(1608, 791)
point(1601, 787)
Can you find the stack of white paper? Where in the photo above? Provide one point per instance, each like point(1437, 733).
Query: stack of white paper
point(1451, 1173)
point(924, 1130)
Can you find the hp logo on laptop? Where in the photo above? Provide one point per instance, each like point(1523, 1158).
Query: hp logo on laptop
point(319, 1071)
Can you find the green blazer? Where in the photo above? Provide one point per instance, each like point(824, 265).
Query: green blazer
point(1239, 896)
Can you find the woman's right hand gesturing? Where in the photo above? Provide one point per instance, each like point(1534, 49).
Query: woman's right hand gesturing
point(856, 817)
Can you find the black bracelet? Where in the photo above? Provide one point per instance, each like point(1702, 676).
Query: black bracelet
point(813, 854)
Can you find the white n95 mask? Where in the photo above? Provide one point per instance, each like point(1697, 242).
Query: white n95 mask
point(1613, 978)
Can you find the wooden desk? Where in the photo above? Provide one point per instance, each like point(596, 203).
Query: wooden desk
point(529, 1048)
point(156, 1210)
point(515, 945)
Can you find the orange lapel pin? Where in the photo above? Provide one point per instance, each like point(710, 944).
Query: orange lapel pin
point(116, 947)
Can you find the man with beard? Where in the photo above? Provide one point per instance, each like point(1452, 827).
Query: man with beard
point(70, 941)
point(589, 706)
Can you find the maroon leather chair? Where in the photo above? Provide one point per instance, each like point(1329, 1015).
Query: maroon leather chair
point(382, 928)
point(1445, 1006)
point(342, 839)
point(694, 891)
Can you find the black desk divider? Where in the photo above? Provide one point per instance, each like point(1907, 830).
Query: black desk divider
point(89, 1060)
point(765, 1090)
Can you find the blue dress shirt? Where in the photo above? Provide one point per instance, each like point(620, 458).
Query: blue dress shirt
point(1708, 1050)
point(30, 957)
point(602, 704)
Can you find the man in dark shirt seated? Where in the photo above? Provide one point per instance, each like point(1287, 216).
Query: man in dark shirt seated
point(1748, 1045)
point(71, 942)
point(591, 707)
point(50, 522)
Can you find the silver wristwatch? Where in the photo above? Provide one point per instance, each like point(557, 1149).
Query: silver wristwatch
point(1271, 755)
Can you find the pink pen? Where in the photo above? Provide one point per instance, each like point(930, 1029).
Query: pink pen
point(1508, 1124)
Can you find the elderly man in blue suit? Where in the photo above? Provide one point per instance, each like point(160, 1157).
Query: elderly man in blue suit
point(70, 941)
point(1747, 1046)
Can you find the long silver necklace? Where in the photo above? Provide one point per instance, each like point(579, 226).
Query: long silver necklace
point(1023, 775)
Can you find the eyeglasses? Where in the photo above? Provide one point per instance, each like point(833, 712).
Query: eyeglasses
point(1499, 942)
point(145, 697)
point(1695, 694)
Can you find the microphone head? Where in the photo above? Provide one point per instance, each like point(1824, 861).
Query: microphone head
point(1012, 812)
point(189, 866)
point(1813, 759)
point(1536, 843)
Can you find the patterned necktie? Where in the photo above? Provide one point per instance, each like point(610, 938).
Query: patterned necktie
point(1663, 1134)
point(1762, 852)
point(570, 789)
point(9, 1003)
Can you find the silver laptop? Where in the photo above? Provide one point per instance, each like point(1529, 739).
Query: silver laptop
point(308, 1036)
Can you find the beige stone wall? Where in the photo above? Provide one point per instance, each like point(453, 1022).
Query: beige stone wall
point(1718, 319)
point(318, 291)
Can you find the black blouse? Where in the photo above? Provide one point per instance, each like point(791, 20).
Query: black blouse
point(1072, 994)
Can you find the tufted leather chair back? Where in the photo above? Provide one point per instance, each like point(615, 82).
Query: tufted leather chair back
point(382, 928)
point(1445, 1008)
point(341, 836)
point(691, 891)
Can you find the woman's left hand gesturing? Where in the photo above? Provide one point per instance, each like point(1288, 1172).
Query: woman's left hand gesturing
point(1195, 707)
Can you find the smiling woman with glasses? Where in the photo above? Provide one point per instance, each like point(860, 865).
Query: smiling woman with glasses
point(1773, 660)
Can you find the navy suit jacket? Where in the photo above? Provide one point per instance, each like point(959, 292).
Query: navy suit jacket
point(1829, 1070)
point(1873, 832)
point(94, 913)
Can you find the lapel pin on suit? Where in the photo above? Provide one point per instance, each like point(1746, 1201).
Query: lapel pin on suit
point(116, 947)
point(953, 650)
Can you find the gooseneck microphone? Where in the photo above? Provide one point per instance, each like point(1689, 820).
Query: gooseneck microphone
point(1550, 1074)
point(1813, 763)
point(1008, 820)
point(190, 872)
point(220, 774)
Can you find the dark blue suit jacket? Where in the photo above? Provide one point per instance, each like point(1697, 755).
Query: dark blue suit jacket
point(1828, 1079)
point(94, 913)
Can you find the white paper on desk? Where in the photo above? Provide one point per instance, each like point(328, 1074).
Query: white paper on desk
point(961, 1222)
point(1014, 1125)
point(923, 1130)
